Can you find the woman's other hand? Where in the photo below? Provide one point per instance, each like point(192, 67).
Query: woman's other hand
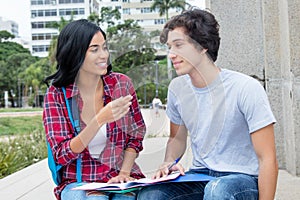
point(114, 110)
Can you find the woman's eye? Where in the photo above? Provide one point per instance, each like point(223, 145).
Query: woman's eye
point(94, 50)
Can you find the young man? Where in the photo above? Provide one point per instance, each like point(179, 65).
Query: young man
point(226, 113)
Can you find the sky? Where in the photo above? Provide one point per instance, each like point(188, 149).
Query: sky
point(19, 11)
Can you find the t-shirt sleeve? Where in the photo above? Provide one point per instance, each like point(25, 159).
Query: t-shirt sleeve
point(172, 110)
point(255, 106)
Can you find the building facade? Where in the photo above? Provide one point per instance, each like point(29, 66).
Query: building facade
point(9, 26)
point(45, 12)
point(13, 28)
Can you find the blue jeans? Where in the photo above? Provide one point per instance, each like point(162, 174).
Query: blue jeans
point(227, 186)
point(68, 194)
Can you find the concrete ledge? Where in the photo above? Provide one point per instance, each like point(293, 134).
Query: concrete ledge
point(34, 182)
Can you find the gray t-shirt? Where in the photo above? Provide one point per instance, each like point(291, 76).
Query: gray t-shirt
point(220, 119)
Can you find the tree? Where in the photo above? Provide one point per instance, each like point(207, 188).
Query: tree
point(132, 54)
point(11, 48)
point(16, 63)
point(59, 25)
point(14, 58)
point(164, 6)
point(108, 17)
point(4, 35)
point(129, 46)
point(33, 77)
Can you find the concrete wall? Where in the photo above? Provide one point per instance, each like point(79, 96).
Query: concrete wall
point(262, 38)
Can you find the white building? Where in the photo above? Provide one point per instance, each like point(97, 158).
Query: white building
point(44, 12)
point(9, 26)
point(13, 28)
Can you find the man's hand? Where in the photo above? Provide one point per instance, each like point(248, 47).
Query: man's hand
point(164, 170)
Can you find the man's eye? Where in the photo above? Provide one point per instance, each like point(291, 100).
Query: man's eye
point(178, 45)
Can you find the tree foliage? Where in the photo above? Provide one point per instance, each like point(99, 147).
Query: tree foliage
point(33, 76)
point(108, 17)
point(10, 48)
point(164, 6)
point(4, 35)
point(129, 46)
point(59, 25)
point(14, 58)
point(132, 54)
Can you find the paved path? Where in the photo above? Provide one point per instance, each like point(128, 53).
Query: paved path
point(16, 114)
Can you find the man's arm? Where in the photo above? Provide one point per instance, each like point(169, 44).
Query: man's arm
point(175, 148)
point(264, 144)
point(177, 142)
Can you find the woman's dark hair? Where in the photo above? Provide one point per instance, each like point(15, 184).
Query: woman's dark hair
point(72, 44)
point(200, 25)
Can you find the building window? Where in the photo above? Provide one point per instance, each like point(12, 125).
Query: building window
point(126, 11)
point(43, 36)
point(43, 2)
point(50, 13)
point(70, 11)
point(37, 25)
point(159, 21)
point(145, 10)
point(70, 1)
point(40, 48)
point(42, 13)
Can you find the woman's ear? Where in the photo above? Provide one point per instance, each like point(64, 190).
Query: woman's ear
point(203, 51)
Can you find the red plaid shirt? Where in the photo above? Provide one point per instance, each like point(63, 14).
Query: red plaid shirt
point(127, 132)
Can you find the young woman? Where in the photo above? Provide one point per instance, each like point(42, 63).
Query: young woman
point(226, 113)
point(111, 123)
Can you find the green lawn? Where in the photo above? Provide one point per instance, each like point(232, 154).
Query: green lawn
point(26, 146)
point(20, 125)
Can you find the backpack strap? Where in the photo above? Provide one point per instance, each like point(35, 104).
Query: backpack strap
point(76, 125)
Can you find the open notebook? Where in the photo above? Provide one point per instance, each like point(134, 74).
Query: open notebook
point(175, 177)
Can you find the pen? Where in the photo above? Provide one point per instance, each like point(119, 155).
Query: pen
point(174, 163)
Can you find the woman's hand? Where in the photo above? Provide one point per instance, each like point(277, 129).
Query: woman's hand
point(121, 178)
point(114, 110)
point(109, 113)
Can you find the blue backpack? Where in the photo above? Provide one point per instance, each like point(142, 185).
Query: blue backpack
point(56, 169)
